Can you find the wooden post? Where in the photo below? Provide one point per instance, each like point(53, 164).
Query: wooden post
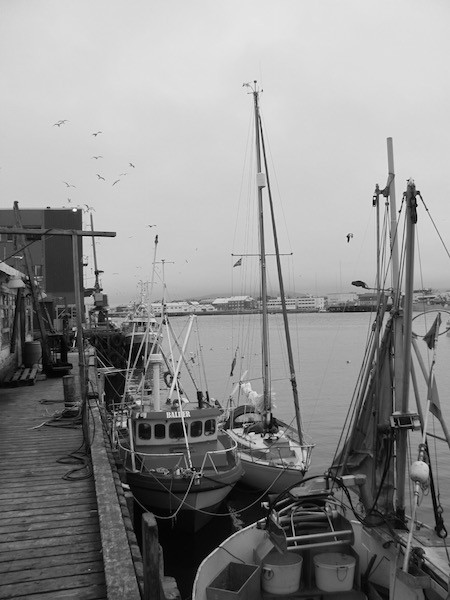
point(150, 557)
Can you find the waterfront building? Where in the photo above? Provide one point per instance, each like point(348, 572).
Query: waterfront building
point(51, 257)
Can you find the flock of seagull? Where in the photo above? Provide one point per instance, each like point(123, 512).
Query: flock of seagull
point(100, 177)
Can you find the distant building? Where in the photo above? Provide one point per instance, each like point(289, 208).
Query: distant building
point(342, 298)
point(235, 303)
point(310, 303)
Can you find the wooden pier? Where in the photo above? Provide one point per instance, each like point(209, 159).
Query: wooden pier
point(65, 530)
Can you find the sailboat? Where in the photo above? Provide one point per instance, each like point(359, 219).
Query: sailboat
point(356, 532)
point(274, 454)
point(177, 461)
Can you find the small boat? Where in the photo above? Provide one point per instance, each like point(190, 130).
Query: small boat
point(358, 531)
point(275, 454)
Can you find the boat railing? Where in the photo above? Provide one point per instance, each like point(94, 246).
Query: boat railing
point(141, 459)
point(209, 456)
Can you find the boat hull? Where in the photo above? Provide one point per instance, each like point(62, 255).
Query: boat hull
point(191, 504)
point(268, 478)
point(349, 538)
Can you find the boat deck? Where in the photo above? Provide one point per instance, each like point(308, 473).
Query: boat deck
point(55, 540)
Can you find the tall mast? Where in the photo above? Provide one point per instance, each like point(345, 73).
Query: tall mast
point(411, 220)
point(261, 183)
point(293, 377)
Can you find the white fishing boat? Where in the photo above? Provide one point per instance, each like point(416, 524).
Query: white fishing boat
point(355, 533)
point(274, 454)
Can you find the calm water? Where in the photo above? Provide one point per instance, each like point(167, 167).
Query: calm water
point(328, 351)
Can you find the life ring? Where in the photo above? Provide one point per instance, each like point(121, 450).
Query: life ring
point(168, 378)
point(240, 410)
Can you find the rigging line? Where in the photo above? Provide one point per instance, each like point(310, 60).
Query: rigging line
point(434, 224)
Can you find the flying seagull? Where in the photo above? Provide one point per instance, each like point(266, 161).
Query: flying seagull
point(123, 174)
point(88, 208)
point(349, 237)
point(131, 165)
point(150, 225)
point(96, 133)
point(100, 177)
point(97, 157)
point(59, 123)
point(69, 184)
point(116, 181)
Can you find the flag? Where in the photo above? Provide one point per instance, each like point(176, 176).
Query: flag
point(435, 405)
point(431, 336)
point(238, 263)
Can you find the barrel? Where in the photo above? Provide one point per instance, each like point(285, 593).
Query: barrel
point(32, 353)
point(281, 573)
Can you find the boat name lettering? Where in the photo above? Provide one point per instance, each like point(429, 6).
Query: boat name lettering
point(175, 414)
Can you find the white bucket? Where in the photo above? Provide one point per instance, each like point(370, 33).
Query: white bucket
point(281, 572)
point(334, 571)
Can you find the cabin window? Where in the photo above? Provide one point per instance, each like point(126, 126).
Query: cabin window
point(210, 427)
point(176, 430)
point(145, 431)
point(160, 431)
point(196, 429)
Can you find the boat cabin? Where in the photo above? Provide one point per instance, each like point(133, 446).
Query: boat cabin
point(165, 427)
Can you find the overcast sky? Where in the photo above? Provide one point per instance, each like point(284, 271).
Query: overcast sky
point(162, 81)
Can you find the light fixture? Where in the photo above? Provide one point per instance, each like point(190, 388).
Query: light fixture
point(15, 282)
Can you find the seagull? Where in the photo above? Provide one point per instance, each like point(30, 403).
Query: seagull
point(69, 184)
point(97, 157)
point(96, 133)
point(349, 237)
point(69, 200)
point(59, 123)
point(100, 177)
point(88, 208)
point(116, 181)
point(150, 225)
point(131, 165)
point(123, 174)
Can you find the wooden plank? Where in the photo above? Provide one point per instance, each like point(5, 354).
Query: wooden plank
point(93, 592)
point(18, 558)
point(14, 528)
point(70, 568)
point(46, 546)
point(51, 512)
point(40, 542)
point(28, 589)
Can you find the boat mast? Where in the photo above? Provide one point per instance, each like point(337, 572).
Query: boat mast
point(411, 220)
point(261, 183)
point(293, 377)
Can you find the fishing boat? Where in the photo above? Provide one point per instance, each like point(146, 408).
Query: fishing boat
point(274, 454)
point(357, 531)
point(177, 460)
point(140, 328)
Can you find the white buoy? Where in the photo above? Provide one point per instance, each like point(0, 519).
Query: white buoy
point(420, 472)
